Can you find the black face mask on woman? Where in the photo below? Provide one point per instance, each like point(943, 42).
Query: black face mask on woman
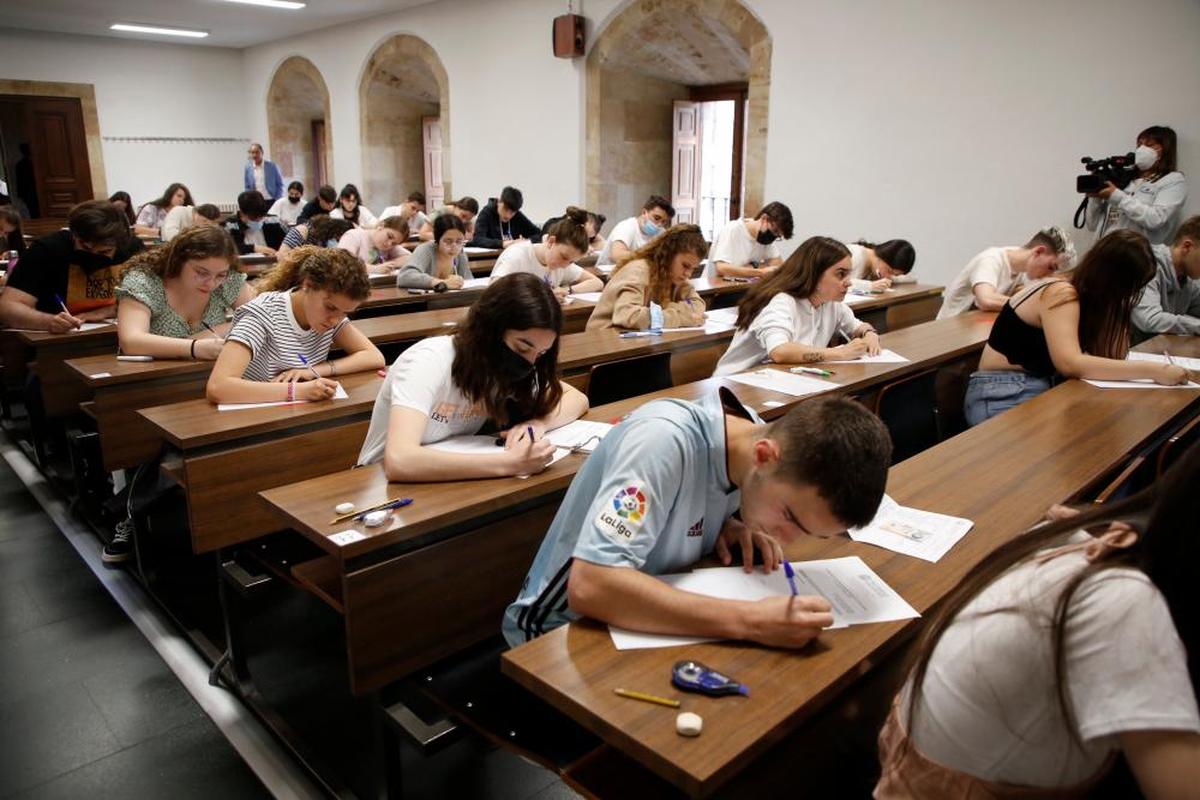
point(90, 262)
point(512, 366)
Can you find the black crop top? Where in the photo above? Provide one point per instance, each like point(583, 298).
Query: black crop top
point(1021, 343)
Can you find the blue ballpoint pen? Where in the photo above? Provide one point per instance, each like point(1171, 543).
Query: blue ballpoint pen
point(401, 503)
point(304, 361)
point(791, 576)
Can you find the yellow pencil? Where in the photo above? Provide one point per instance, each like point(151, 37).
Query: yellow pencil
point(648, 698)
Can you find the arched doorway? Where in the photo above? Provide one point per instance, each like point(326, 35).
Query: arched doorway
point(404, 103)
point(300, 138)
point(649, 72)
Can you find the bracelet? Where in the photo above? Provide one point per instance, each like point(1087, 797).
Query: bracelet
point(193, 350)
point(291, 391)
point(332, 369)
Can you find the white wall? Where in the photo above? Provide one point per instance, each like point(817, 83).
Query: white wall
point(515, 110)
point(147, 89)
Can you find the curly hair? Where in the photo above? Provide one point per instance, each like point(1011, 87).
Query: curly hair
point(659, 253)
point(329, 269)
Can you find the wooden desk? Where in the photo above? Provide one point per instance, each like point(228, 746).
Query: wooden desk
point(226, 457)
point(484, 533)
point(982, 474)
point(45, 354)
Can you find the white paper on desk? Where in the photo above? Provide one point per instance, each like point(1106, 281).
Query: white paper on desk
point(340, 394)
point(779, 381)
point(885, 357)
point(484, 446)
point(858, 596)
point(581, 433)
point(1142, 383)
point(472, 250)
point(921, 534)
point(588, 297)
point(91, 326)
point(476, 283)
point(1182, 361)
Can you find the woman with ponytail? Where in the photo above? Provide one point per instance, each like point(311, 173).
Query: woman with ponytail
point(552, 259)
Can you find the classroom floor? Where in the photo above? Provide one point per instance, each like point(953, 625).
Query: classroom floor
point(89, 708)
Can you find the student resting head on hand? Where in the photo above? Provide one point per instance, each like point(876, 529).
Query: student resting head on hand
point(300, 310)
point(1073, 641)
point(652, 286)
point(439, 264)
point(791, 316)
point(1076, 328)
point(500, 365)
point(172, 300)
point(875, 267)
point(553, 258)
point(380, 248)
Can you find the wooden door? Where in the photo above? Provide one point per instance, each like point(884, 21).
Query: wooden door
point(59, 150)
point(431, 138)
point(685, 161)
point(320, 175)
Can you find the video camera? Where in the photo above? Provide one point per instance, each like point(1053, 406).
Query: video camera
point(1120, 170)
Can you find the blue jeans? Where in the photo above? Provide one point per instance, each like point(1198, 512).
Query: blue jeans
point(989, 393)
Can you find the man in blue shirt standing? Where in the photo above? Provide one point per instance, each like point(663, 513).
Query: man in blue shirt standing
point(661, 491)
point(262, 176)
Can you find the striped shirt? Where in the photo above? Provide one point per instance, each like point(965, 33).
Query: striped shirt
point(268, 327)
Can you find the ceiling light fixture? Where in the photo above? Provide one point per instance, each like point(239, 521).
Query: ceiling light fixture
point(154, 29)
point(290, 5)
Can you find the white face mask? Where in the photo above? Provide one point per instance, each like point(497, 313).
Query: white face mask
point(1145, 157)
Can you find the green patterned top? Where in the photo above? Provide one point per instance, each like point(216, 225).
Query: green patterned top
point(147, 288)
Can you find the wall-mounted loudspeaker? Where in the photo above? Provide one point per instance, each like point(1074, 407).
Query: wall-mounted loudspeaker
point(567, 36)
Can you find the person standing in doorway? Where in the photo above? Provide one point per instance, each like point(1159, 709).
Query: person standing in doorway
point(262, 175)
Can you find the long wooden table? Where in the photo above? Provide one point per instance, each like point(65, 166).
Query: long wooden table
point(223, 458)
point(1002, 474)
point(484, 533)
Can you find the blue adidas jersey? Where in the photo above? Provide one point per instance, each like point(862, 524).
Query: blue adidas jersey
point(653, 497)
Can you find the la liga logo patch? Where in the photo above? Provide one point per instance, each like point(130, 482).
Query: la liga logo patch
point(630, 504)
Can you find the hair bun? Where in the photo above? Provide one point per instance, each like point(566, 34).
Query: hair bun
point(576, 215)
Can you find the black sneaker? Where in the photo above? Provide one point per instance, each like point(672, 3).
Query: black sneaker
point(121, 547)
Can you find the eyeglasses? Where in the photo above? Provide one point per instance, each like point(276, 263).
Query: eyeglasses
point(454, 243)
point(204, 276)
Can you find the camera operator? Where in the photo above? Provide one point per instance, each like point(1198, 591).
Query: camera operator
point(1152, 203)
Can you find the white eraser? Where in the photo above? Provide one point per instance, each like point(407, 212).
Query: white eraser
point(688, 724)
point(344, 508)
point(771, 404)
point(375, 518)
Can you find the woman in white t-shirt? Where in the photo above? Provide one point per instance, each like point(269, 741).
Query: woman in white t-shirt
point(1060, 649)
point(299, 315)
point(790, 316)
point(553, 258)
point(747, 248)
point(350, 208)
point(875, 267)
point(501, 365)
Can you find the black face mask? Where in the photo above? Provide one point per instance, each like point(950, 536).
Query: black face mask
point(512, 366)
point(765, 236)
point(90, 262)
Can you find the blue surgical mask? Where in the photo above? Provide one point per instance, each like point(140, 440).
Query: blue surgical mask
point(255, 225)
point(650, 229)
point(331, 242)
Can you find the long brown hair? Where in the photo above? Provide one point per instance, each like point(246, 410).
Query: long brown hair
point(197, 242)
point(1165, 551)
point(328, 269)
point(798, 276)
point(1107, 283)
point(16, 237)
point(659, 253)
point(1165, 138)
point(514, 302)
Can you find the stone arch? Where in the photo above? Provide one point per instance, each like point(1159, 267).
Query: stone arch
point(402, 83)
point(296, 99)
point(649, 54)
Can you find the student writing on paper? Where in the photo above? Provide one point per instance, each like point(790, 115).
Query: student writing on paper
point(1170, 303)
point(553, 258)
point(1062, 648)
point(172, 300)
point(634, 233)
point(875, 267)
point(77, 266)
point(660, 492)
point(439, 264)
point(1077, 328)
point(412, 211)
point(791, 316)
point(500, 365)
point(652, 287)
point(746, 248)
point(465, 209)
point(592, 228)
point(151, 216)
point(300, 311)
point(501, 224)
point(180, 218)
point(321, 230)
point(351, 208)
point(990, 278)
point(379, 248)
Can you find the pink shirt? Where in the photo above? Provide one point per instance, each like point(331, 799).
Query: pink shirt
point(358, 241)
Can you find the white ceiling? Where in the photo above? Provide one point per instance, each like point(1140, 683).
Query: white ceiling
point(229, 24)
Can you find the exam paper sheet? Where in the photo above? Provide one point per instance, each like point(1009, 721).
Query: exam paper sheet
point(779, 381)
point(1181, 361)
point(339, 394)
point(858, 596)
point(1141, 383)
point(485, 446)
point(885, 357)
point(920, 534)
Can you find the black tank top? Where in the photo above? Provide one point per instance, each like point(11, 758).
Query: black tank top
point(1021, 343)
